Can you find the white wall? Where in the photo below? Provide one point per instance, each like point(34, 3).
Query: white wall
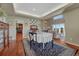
point(12, 27)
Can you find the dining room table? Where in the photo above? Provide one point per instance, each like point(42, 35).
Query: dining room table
point(44, 37)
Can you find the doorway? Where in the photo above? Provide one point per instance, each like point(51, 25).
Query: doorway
point(19, 39)
point(19, 31)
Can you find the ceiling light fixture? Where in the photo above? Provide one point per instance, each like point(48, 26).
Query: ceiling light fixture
point(34, 9)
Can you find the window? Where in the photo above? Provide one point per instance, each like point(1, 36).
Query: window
point(59, 30)
point(58, 26)
point(58, 17)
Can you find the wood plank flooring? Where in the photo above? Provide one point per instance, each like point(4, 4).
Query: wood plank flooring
point(15, 47)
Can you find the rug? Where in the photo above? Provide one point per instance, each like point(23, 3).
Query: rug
point(48, 50)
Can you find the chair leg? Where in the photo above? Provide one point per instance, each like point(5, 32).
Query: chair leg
point(52, 44)
point(30, 44)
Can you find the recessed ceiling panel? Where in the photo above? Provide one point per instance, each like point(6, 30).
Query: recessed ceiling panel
point(37, 9)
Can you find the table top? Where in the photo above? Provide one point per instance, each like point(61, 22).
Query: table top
point(43, 37)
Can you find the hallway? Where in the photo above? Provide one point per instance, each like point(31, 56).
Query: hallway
point(19, 45)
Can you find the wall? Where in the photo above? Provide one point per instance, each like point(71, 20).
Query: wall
point(12, 27)
point(72, 25)
point(31, 21)
point(11, 20)
point(58, 21)
point(47, 23)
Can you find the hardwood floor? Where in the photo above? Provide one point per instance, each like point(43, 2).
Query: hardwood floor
point(15, 47)
point(9, 51)
point(58, 41)
point(74, 46)
point(19, 43)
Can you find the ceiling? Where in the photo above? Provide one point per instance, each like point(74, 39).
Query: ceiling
point(37, 9)
point(73, 6)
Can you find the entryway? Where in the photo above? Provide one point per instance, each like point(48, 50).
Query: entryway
point(19, 31)
point(19, 39)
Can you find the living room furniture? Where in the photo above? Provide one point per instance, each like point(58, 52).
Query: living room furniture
point(32, 36)
point(44, 37)
point(40, 37)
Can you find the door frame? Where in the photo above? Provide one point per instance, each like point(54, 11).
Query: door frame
point(18, 32)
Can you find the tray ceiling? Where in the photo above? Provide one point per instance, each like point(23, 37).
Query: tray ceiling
point(36, 9)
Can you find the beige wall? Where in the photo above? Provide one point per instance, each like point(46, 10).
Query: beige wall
point(46, 23)
point(72, 25)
